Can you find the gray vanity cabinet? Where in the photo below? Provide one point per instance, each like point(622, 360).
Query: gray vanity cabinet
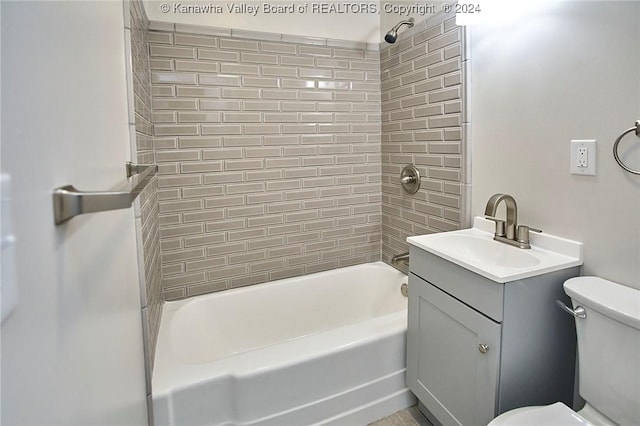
point(477, 348)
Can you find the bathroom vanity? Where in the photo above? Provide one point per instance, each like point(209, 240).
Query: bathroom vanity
point(485, 332)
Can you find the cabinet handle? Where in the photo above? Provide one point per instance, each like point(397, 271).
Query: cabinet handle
point(483, 348)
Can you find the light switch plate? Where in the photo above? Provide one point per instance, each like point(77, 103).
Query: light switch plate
point(583, 157)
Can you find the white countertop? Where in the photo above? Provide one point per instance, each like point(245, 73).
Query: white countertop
point(476, 250)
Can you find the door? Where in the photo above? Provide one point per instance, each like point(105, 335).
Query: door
point(447, 369)
point(72, 350)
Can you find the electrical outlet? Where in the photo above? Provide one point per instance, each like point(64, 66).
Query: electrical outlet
point(583, 157)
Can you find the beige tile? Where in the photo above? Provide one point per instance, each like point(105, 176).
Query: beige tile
point(219, 80)
point(199, 167)
point(235, 44)
point(171, 52)
point(271, 265)
point(280, 71)
point(248, 280)
point(253, 222)
point(260, 106)
point(258, 58)
point(266, 46)
point(241, 140)
point(244, 188)
point(260, 82)
point(161, 64)
point(261, 129)
point(198, 117)
point(246, 212)
point(315, 73)
point(183, 255)
point(266, 175)
point(220, 250)
point(220, 273)
point(218, 55)
point(210, 287)
point(240, 69)
point(197, 66)
point(221, 129)
point(246, 258)
point(183, 279)
point(166, 77)
point(199, 142)
point(349, 53)
point(312, 143)
point(443, 41)
point(314, 51)
point(205, 191)
point(160, 38)
point(181, 130)
point(202, 241)
point(332, 63)
point(195, 40)
point(240, 93)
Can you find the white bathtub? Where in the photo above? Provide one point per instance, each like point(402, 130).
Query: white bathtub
point(327, 348)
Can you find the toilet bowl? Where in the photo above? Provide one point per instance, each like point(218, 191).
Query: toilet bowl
point(606, 376)
point(556, 414)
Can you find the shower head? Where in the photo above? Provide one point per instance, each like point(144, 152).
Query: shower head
point(392, 35)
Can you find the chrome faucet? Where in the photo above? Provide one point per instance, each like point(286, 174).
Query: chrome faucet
point(401, 262)
point(508, 231)
point(400, 258)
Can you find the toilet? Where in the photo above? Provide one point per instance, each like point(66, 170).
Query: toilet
point(609, 360)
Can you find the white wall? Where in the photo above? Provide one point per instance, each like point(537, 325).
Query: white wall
point(364, 27)
point(72, 349)
point(570, 70)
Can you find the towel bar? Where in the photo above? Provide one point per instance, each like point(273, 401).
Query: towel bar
point(615, 148)
point(69, 202)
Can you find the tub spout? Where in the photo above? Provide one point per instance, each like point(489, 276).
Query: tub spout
point(400, 258)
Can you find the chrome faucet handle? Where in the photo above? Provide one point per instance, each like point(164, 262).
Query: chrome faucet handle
point(523, 233)
point(500, 225)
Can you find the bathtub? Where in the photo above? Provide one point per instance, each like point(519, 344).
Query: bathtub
point(327, 348)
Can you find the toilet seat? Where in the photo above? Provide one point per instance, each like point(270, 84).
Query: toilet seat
point(556, 414)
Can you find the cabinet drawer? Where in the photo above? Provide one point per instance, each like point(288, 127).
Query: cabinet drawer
point(446, 369)
point(476, 291)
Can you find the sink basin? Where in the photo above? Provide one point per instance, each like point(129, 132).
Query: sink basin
point(487, 251)
point(476, 250)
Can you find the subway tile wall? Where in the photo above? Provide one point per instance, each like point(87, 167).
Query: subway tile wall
point(146, 206)
point(269, 154)
point(424, 122)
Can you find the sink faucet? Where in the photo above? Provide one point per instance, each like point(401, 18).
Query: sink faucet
point(508, 231)
point(512, 214)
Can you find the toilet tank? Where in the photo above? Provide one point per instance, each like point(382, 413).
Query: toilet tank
point(608, 346)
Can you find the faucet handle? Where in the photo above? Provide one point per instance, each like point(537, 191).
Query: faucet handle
point(523, 233)
point(500, 226)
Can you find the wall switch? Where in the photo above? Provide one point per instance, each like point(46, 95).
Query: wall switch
point(583, 157)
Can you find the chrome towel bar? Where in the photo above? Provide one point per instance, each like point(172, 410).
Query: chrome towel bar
point(69, 202)
point(615, 148)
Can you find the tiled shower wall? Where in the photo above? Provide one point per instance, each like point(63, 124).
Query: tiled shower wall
point(423, 121)
point(269, 155)
point(146, 206)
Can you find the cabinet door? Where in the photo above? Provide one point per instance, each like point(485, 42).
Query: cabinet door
point(446, 369)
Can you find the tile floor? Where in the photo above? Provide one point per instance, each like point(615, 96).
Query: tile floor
point(408, 417)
